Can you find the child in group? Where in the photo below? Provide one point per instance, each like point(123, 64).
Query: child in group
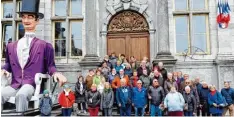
point(66, 100)
point(46, 104)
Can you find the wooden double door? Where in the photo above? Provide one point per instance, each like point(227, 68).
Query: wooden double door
point(130, 44)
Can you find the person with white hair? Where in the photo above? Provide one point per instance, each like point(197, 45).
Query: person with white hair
point(215, 101)
point(174, 102)
point(139, 99)
point(203, 97)
point(123, 98)
point(190, 102)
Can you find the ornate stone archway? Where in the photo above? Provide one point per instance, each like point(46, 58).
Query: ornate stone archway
point(113, 7)
point(128, 33)
point(128, 21)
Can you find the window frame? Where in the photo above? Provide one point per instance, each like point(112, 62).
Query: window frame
point(70, 9)
point(54, 40)
point(188, 37)
point(3, 36)
point(70, 49)
point(68, 18)
point(14, 20)
point(190, 13)
point(2, 9)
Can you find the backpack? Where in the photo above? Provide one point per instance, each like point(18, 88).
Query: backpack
point(46, 106)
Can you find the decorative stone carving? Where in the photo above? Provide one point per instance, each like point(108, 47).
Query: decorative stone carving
point(128, 21)
point(113, 6)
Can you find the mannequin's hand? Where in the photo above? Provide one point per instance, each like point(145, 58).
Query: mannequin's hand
point(4, 72)
point(58, 77)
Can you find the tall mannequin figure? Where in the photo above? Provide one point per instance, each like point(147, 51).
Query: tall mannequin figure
point(26, 57)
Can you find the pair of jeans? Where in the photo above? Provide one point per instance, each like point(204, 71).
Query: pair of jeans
point(188, 113)
point(125, 111)
point(93, 111)
point(107, 111)
point(155, 110)
point(139, 111)
point(66, 111)
point(83, 104)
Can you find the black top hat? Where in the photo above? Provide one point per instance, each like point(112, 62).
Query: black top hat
point(31, 6)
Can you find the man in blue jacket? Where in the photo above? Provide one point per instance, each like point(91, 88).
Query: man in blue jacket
point(123, 98)
point(228, 94)
point(139, 98)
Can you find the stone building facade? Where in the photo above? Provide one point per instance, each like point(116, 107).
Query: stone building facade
point(208, 51)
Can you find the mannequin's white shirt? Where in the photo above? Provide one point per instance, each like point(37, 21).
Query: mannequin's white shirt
point(23, 48)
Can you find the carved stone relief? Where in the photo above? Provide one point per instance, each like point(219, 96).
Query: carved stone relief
point(128, 21)
point(114, 5)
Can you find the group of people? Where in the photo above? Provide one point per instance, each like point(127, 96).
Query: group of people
point(146, 90)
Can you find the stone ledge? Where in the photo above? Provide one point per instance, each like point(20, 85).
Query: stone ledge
point(90, 60)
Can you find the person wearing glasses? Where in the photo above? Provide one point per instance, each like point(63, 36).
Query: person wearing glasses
point(193, 90)
point(139, 99)
point(124, 98)
point(156, 96)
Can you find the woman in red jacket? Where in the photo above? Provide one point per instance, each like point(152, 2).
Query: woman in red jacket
point(66, 100)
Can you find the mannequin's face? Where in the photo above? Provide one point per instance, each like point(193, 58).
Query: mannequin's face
point(30, 22)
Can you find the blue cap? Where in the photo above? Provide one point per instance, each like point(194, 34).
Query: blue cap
point(45, 92)
point(66, 86)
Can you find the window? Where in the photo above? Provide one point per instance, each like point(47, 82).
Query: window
point(191, 26)
point(60, 38)
point(76, 38)
point(12, 28)
point(7, 9)
point(7, 37)
point(20, 30)
point(67, 28)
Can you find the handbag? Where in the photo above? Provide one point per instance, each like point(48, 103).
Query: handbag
point(186, 106)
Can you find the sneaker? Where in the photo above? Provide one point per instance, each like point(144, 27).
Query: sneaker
point(84, 112)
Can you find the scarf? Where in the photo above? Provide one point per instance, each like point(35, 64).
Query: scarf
point(213, 92)
point(66, 92)
point(107, 90)
point(121, 76)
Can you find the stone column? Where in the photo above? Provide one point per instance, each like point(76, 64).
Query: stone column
point(90, 31)
point(164, 53)
point(91, 59)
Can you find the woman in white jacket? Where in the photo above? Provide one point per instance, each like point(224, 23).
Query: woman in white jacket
point(174, 102)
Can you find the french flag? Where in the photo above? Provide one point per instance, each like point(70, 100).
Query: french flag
point(223, 17)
